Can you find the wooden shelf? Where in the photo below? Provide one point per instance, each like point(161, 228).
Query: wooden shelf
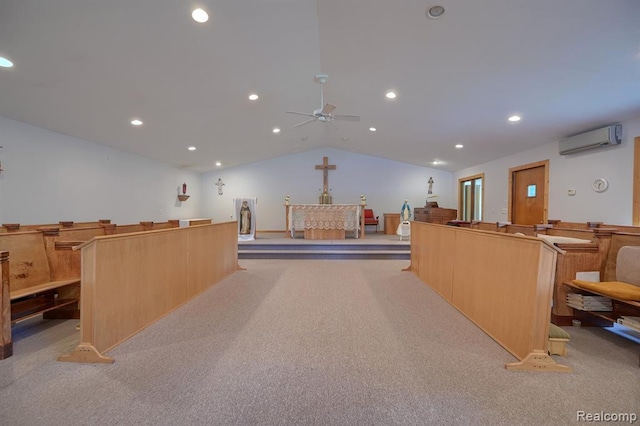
point(35, 306)
point(183, 197)
point(619, 307)
point(626, 302)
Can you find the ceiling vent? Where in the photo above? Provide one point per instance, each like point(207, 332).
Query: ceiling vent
point(610, 135)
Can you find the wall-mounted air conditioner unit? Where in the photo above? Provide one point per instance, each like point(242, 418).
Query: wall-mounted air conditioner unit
point(610, 135)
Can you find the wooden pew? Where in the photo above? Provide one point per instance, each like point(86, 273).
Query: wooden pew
point(147, 226)
point(501, 282)
point(46, 269)
point(593, 225)
point(598, 256)
point(509, 228)
point(160, 270)
point(166, 225)
point(584, 247)
point(15, 227)
point(612, 272)
point(37, 286)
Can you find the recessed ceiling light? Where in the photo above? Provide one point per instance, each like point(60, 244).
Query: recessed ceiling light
point(218, 164)
point(514, 118)
point(459, 146)
point(434, 12)
point(276, 130)
point(372, 129)
point(192, 148)
point(5, 63)
point(390, 94)
point(304, 138)
point(345, 138)
point(136, 122)
point(437, 162)
point(253, 97)
point(200, 16)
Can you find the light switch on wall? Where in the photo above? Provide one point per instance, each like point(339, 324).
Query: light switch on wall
point(571, 192)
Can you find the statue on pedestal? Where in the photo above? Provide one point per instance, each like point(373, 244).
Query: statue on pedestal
point(245, 218)
point(405, 212)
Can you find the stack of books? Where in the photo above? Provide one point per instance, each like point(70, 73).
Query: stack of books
point(589, 303)
point(630, 322)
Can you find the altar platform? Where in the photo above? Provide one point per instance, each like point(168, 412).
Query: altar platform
point(279, 245)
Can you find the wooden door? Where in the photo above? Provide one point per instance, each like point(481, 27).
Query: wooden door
point(528, 187)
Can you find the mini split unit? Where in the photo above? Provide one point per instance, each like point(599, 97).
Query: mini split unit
point(606, 136)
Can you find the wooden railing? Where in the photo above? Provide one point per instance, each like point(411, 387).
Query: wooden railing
point(501, 282)
point(131, 280)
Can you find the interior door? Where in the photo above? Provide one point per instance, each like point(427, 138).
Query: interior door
point(529, 193)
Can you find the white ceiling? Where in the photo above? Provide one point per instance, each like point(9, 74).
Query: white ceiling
point(87, 67)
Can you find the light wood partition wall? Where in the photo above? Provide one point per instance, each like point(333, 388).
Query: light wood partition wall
point(501, 282)
point(130, 281)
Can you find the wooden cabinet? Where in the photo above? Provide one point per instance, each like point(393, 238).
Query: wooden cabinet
point(433, 214)
point(391, 222)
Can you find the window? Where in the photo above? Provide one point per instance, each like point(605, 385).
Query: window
point(470, 195)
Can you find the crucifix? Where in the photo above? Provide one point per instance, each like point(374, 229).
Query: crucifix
point(325, 167)
point(219, 184)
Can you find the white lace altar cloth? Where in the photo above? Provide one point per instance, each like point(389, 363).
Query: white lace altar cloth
point(324, 216)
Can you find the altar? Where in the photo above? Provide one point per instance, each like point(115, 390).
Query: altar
point(325, 221)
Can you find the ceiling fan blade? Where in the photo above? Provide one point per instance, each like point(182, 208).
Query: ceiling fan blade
point(301, 113)
point(347, 117)
point(305, 122)
point(328, 109)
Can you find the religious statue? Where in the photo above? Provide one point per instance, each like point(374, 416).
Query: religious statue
point(430, 182)
point(184, 188)
point(245, 218)
point(363, 199)
point(405, 212)
point(286, 200)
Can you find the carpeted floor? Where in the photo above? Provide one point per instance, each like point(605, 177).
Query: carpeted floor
point(319, 342)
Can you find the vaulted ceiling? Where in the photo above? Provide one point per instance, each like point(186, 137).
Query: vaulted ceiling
point(86, 68)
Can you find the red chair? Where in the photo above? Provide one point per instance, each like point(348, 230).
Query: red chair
point(370, 219)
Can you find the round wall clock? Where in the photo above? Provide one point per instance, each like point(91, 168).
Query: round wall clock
point(600, 185)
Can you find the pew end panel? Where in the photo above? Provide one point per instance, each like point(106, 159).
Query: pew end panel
point(6, 344)
point(574, 258)
point(501, 282)
point(129, 281)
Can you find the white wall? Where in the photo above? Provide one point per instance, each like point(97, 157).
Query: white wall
point(386, 184)
point(50, 177)
point(577, 171)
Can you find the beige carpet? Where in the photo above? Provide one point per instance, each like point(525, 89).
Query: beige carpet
point(320, 342)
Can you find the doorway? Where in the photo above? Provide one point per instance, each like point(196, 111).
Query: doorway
point(470, 197)
point(529, 193)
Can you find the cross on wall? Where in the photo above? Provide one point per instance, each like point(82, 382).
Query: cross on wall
point(325, 167)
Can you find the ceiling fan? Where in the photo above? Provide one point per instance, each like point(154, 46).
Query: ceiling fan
point(325, 112)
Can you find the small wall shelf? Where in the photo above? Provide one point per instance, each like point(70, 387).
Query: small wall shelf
point(183, 197)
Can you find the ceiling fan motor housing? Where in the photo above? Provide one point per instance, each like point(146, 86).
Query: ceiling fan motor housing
point(322, 78)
